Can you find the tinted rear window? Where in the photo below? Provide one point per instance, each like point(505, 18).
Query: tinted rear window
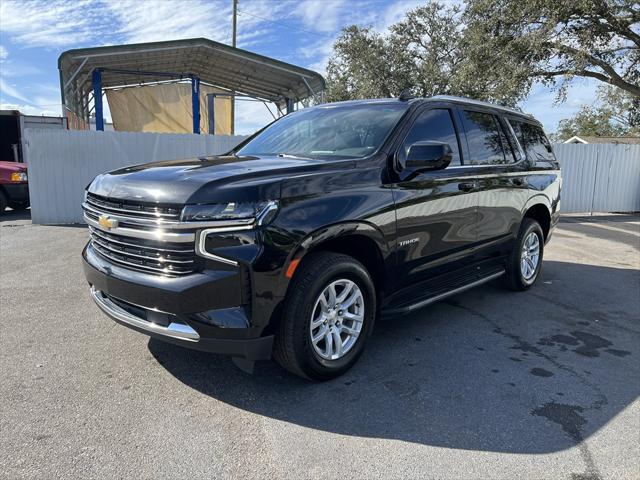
point(533, 140)
point(485, 139)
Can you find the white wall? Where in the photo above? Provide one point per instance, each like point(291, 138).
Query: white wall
point(599, 177)
point(596, 177)
point(63, 162)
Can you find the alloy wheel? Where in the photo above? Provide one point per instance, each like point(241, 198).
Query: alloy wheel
point(336, 320)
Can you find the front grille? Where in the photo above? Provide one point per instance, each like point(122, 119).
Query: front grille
point(157, 257)
point(144, 237)
point(126, 207)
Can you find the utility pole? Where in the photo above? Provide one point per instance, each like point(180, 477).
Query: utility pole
point(235, 21)
point(234, 31)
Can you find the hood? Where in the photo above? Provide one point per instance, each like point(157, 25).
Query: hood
point(207, 180)
point(13, 166)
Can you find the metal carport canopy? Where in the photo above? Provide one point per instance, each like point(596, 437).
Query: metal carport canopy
point(212, 62)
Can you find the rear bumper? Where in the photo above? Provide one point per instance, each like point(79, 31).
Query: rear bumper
point(200, 311)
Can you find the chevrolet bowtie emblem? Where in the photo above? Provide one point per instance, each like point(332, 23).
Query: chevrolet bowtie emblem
point(107, 222)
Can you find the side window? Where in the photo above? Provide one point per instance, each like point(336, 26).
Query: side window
point(435, 125)
point(485, 138)
point(533, 140)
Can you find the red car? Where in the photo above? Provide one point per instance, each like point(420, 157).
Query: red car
point(14, 189)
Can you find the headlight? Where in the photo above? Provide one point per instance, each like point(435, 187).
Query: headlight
point(19, 177)
point(263, 212)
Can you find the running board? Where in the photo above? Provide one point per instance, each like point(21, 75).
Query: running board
point(436, 298)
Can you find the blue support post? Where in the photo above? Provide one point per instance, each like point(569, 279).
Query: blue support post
point(290, 104)
point(195, 103)
point(96, 77)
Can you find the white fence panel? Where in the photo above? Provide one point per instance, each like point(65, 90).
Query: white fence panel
point(63, 162)
point(596, 177)
point(599, 177)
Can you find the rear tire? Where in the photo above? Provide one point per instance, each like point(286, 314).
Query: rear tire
point(525, 261)
point(318, 349)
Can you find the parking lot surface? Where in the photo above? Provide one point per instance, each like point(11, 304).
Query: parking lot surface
point(488, 384)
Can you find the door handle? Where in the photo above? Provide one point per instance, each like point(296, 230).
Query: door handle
point(466, 186)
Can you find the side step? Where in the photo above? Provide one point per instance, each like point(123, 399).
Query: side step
point(437, 295)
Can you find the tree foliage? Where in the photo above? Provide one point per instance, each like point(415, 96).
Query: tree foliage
point(425, 52)
point(553, 39)
point(493, 50)
point(615, 114)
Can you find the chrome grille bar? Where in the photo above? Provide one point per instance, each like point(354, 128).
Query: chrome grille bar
point(119, 241)
point(159, 259)
point(141, 264)
point(140, 210)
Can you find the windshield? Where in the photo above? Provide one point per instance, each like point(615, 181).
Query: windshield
point(340, 131)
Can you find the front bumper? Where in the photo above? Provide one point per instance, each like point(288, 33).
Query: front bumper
point(201, 311)
point(17, 192)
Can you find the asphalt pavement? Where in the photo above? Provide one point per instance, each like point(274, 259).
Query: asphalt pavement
point(488, 384)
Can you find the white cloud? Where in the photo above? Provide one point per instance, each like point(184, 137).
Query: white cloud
point(53, 23)
point(7, 89)
point(4, 53)
point(29, 109)
point(323, 16)
point(154, 20)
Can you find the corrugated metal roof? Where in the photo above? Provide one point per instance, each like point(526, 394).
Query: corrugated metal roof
point(630, 140)
point(213, 62)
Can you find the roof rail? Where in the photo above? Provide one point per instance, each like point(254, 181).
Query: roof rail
point(479, 103)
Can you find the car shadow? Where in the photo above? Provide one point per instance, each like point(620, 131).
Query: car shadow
point(489, 370)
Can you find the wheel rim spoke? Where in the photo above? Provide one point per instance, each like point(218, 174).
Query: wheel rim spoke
point(319, 336)
point(318, 321)
point(331, 290)
point(337, 342)
point(328, 343)
point(349, 331)
point(345, 292)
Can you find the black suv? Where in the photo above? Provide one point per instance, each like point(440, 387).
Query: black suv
point(293, 243)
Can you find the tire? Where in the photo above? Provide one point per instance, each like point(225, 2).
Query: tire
point(519, 277)
point(294, 349)
point(19, 206)
point(3, 202)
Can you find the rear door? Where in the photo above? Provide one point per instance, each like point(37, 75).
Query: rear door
point(436, 211)
point(499, 172)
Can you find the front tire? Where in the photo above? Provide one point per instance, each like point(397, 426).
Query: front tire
point(328, 315)
point(525, 261)
point(3, 202)
point(19, 206)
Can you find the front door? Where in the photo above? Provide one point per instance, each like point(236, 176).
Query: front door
point(436, 211)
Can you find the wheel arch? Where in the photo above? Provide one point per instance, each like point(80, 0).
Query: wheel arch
point(360, 240)
point(539, 209)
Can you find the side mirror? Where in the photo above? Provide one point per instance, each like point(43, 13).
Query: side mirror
point(428, 155)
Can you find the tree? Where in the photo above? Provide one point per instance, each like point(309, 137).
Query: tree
point(493, 50)
point(617, 113)
point(551, 39)
point(426, 51)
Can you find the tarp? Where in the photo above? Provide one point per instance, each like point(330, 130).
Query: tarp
point(166, 108)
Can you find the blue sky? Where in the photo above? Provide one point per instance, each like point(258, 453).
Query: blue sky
point(34, 33)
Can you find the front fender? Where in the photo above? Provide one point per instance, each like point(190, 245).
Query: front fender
point(317, 238)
